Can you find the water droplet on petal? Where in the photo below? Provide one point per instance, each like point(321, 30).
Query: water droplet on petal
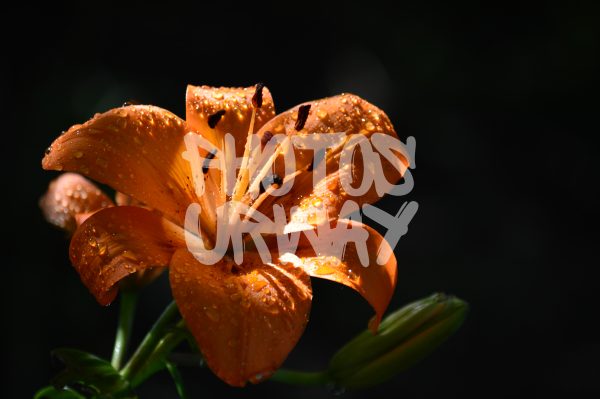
point(259, 285)
point(323, 270)
point(212, 314)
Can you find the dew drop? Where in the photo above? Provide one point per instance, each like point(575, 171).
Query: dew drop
point(323, 270)
point(212, 314)
point(102, 162)
point(259, 285)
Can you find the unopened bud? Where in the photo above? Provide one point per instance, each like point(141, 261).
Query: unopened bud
point(404, 337)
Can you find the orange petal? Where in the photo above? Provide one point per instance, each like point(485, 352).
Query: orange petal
point(69, 198)
point(245, 321)
point(204, 101)
point(376, 283)
point(136, 150)
point(345, 113)
point(116, 242)
point(126, 200)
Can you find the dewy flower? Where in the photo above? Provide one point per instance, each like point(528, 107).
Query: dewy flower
point(245, 317)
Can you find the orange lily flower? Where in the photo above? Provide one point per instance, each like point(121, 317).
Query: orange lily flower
point(245, 318)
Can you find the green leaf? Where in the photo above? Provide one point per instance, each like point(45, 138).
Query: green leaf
point(54, 393)
point(90, 376)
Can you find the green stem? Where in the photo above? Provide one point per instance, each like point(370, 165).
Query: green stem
point(150, 342)
point(126, 311)
point(303, 378)
point(157, 359)
point(177, 379)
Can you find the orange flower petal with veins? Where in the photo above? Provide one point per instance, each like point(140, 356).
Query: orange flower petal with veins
point(234, 105)
point(344, 113)
point(70, 199)
point(374, 282)
point(245, 321)
point(119, 241)
point(136, 150)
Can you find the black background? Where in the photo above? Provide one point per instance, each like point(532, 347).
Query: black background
point(502, 102)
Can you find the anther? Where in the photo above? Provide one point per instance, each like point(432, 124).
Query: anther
point(273, 180)
point(215, 118)
point(265, 139)
point(257, 97)
point(302, 116)
point(207, 160)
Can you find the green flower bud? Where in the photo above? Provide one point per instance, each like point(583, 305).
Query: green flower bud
point(404, 337)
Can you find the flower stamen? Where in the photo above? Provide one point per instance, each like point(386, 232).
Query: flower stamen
point(302, 116)
point(213, 119)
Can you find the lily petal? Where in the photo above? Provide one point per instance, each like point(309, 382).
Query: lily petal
point(202, 102)
point(136, 150)
point(347, 114)
point(245, 322)
point(126, 200)
point(376, 283)
point(119, 241)
point(71, 197)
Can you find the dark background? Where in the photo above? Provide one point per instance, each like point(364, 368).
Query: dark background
point(502, 102)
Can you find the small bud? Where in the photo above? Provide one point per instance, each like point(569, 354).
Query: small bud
point(404, 338)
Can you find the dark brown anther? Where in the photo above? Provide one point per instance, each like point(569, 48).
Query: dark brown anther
point(215, 118)
point(206, 164)
point(302, 116)
point(257, 97)
point(309, 167)
point(273, 180)
point(265, 139)
point(131, 102)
